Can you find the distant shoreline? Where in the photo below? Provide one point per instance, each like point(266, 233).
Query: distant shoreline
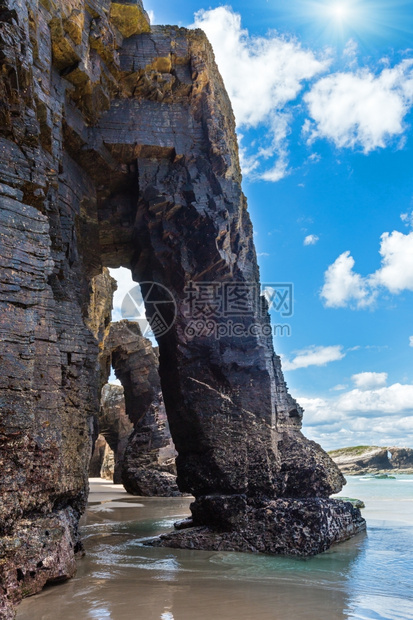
point(360, 460)
point(390, 472)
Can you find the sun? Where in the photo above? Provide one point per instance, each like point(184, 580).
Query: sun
point(339, 11)
point(335, 22)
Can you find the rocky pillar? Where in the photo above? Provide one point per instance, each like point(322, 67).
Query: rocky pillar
point(148, 463)
point(98, 454)
point(115, 425)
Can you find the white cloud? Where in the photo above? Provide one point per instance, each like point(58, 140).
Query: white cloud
point(262, 75)
point(380, 416)
point(391, 400)
point(112, 378)
point(278, 171)
point(396, 398)
point(407, 218)
point(369, 380)
point(411, 341)
point(311, 240)
point(249, 163)
point(347, 108)
point(339, 387)
point(317, 411)
point(313, 356)
point(343, 286)
point(350, 52)
point(396, 272)
point(151, 16)
point(125, 283)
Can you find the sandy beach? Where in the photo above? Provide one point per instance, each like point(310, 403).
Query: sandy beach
point(366, 578)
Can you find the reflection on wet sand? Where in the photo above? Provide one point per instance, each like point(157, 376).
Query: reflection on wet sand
point(121, 579)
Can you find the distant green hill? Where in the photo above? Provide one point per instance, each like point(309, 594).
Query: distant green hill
point(353, 450)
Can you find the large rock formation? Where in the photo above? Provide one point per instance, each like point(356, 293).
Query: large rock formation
point(98, 455)
point(108, 463)
point(282, 526)
point(401, 458)
point(373, 460)
point(115, 425)
point(144, 457)
point(117, 148)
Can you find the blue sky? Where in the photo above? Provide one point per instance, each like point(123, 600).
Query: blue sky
point(323, 97)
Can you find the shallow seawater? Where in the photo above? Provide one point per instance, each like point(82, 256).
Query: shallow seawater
point(367, 578)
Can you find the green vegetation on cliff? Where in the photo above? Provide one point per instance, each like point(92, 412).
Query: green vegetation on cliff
point(353, 450)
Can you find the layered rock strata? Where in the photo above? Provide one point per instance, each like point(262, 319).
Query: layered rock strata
point(373, 460)
point(114, 425)
point(107, 470)
point(118, 148)
point(103, 460)
point(133, 417)
point(98, 455)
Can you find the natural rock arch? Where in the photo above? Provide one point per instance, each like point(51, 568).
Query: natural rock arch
point(118, 148)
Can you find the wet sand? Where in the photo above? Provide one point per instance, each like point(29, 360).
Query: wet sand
point(369, 577)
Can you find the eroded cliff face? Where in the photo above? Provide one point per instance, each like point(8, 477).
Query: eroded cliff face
point(97, 458)
point(144, 451)
point(118, 148)
point(114, 427)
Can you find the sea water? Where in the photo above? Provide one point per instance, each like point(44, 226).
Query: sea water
point(367, 578)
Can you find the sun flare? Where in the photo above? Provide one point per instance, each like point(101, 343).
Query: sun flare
point(339, 11)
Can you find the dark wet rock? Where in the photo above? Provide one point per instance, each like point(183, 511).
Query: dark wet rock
point(317, 475)
point(357, 503)
point(282, 527)
point(42, 548)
